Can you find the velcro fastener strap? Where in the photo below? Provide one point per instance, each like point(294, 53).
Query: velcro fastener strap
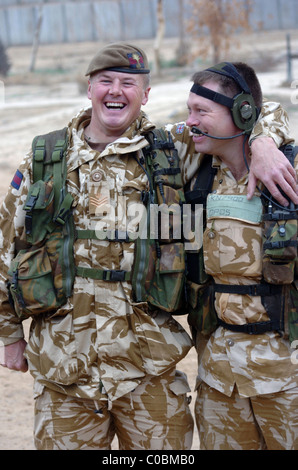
point(112, 275)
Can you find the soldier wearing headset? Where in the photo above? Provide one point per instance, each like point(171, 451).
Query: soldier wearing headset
point(247, 383)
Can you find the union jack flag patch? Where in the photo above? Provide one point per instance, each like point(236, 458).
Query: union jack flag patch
point(17, 179)
point(180, 128)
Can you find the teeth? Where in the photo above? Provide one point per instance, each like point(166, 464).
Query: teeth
point(115, 105)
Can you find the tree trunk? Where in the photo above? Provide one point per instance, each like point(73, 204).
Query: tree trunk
point(158, 39)
point(36, 39)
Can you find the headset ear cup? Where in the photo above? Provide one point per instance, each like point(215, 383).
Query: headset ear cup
point(244, 112)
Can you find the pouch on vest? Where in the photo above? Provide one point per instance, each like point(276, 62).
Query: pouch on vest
point(158, 273)
point(280, 235)
point(31, 285)
point(162, 163)
point(279, 250)
point(202, 315)
point(41, 277)
point(159, 266)
point(291, 308)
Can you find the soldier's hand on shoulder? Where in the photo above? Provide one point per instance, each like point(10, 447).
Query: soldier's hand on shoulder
point(273, 169)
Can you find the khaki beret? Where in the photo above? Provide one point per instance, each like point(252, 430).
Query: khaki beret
point(119, 57)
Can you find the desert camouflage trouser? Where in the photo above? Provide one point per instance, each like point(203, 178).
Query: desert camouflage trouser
point(150, 417)
point(263, 422)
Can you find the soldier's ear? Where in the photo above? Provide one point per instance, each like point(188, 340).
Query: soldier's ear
point(146, 96)
point(89, 90)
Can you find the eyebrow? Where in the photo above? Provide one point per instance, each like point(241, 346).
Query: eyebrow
point(107, 75)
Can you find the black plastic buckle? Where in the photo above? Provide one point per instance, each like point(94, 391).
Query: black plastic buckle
point(14, 281)
point(114, 275)
point(145, 197)
point(30, 204)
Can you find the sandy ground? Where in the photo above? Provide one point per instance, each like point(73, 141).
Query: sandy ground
point(40, 102)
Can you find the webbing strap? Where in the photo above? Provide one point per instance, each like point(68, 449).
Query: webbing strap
point(167, 171)
point(257, 328)
point(64, 210)
point(113, 275)
point(58, 151)
point(281, 215)
point(203, 184)
point(252, 289)
point(279, 244)
point(263, 290)
point(59, 171)
point(110, 235)
point(38, 159)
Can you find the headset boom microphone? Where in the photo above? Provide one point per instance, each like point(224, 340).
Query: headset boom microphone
point(196, 130)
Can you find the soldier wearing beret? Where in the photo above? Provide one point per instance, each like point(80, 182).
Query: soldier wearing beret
point(103, 364)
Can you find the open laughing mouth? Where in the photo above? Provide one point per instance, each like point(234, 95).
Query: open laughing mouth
point(114, 106)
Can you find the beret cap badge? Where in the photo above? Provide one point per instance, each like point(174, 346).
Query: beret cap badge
point(135, 60)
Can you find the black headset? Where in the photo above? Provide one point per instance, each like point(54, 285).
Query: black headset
point(242, 106)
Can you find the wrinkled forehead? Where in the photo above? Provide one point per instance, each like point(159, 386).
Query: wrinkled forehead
point(141, 80)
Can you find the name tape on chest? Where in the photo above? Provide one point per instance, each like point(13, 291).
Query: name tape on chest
point(235, 207)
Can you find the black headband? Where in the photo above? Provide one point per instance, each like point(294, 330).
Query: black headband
point(212, 95)
point(229, 70)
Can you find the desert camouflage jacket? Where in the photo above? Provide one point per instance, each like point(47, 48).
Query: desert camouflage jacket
point(101, 340)
point(256, 364)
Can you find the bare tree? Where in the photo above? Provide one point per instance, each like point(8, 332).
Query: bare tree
point(159, 37)
point(214, 23)
point(182, 49)
point(4, 61)
point(36, 38)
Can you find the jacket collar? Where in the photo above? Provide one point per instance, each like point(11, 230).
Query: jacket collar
point(79, 151)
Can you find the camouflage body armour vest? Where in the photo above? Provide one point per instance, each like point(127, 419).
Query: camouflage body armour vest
point(250, 250)
point(42, 274)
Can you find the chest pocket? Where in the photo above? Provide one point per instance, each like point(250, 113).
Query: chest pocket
point(233, 236)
